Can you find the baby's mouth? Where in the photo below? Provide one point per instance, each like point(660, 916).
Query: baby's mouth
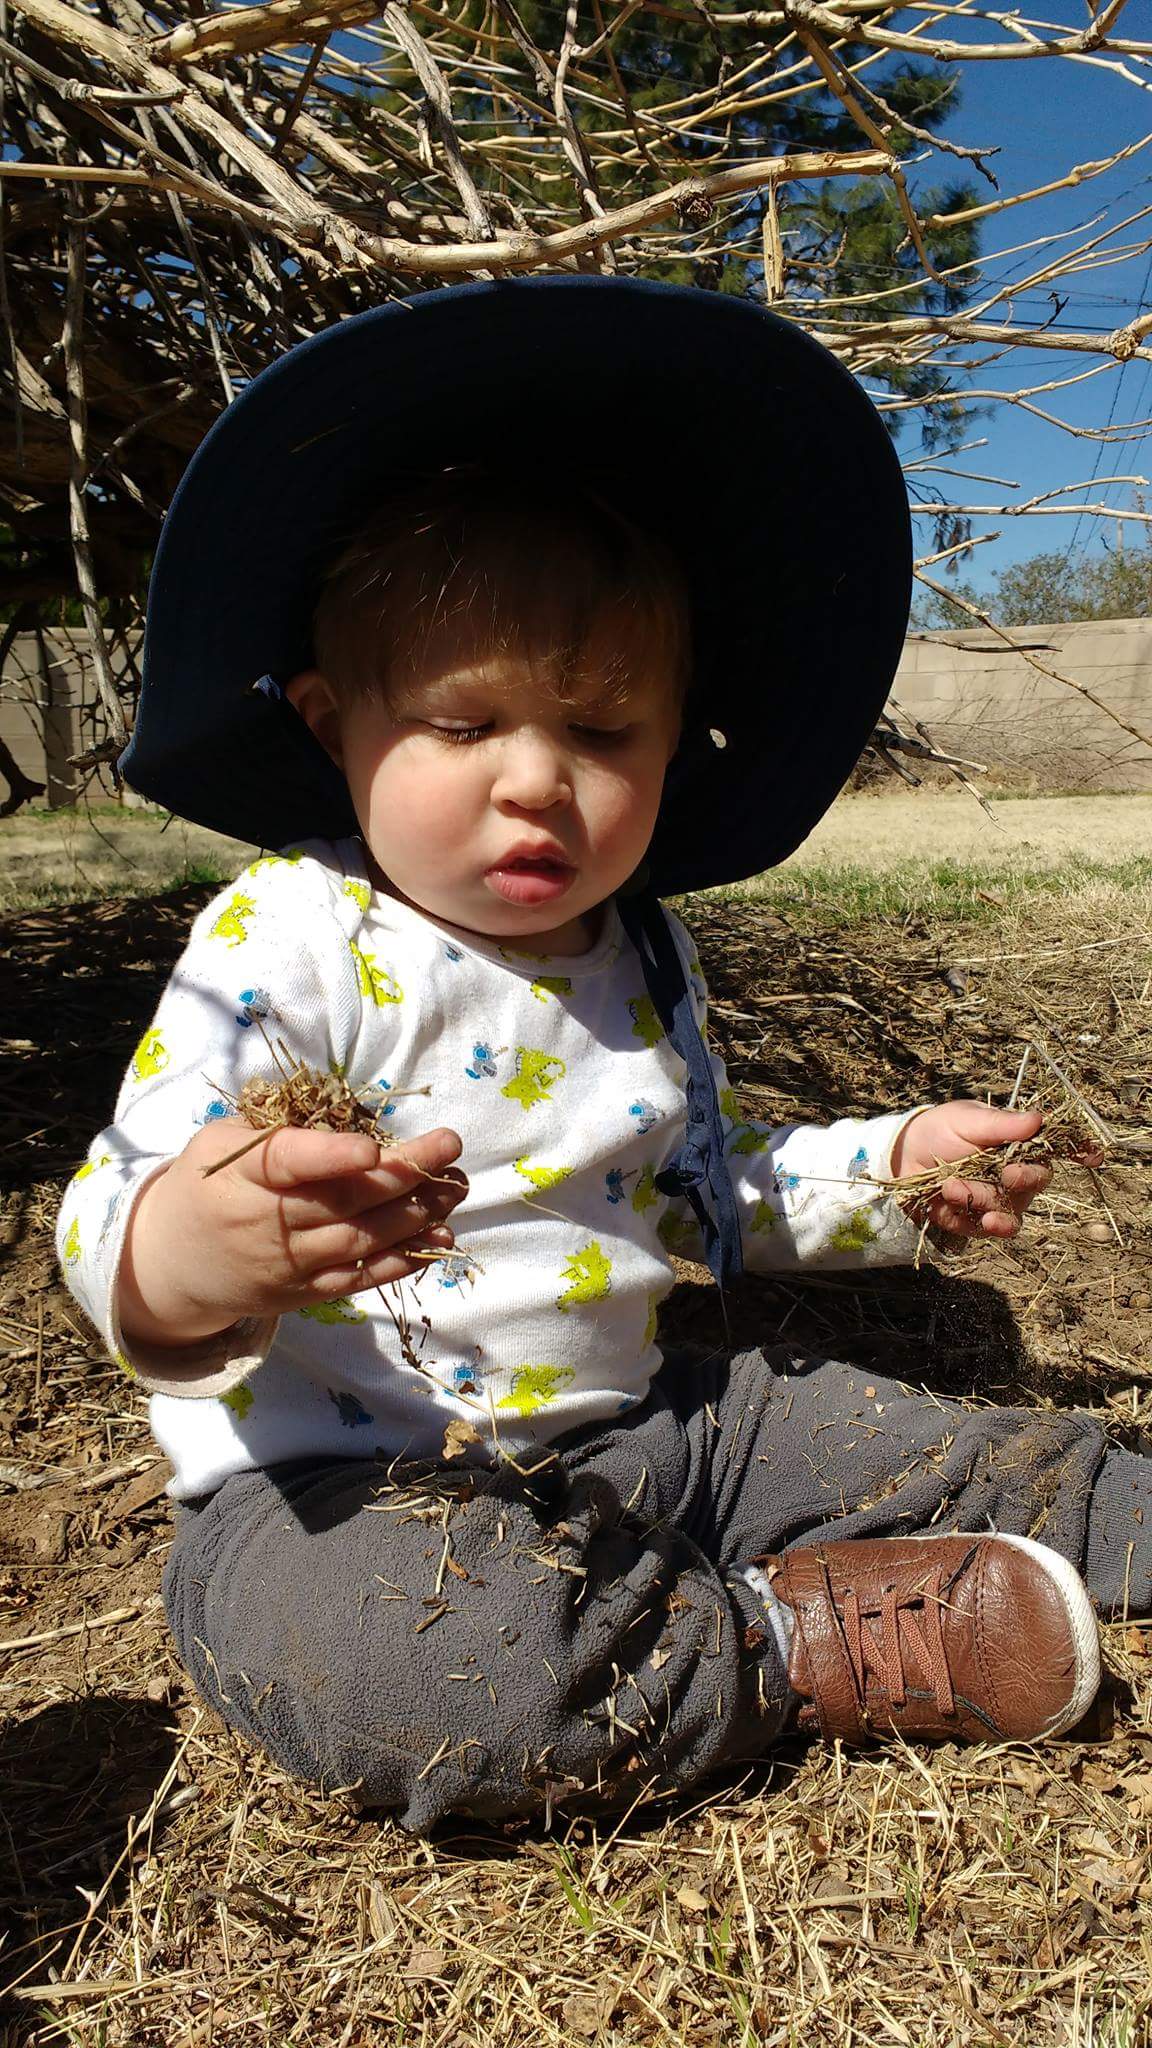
point(530, 878)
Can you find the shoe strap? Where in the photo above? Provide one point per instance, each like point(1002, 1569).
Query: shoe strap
point(899, 1621)
point(841, 1651)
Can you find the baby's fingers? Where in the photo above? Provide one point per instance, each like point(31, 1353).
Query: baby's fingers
point(341, 1244)
point(292, 1158)
point(315, 1203)
point(1023, 1183)
point(972, 1208)
point(397, 1263)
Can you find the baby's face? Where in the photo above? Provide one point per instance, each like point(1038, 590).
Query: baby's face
point(489, 801)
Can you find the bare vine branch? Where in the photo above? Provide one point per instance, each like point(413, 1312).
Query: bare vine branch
point(251, 173)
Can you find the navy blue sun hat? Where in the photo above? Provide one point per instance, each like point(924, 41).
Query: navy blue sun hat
point(726, 430)
point(718, 426)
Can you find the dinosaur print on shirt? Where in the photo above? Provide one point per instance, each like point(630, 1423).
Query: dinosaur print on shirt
point(150, 1057)
point(232, 923)
point(375, 983)
point(589, 1273)
point(536, 1075)
point(534, 1386)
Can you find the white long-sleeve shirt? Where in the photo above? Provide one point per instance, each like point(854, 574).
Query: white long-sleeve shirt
point(569, 1100)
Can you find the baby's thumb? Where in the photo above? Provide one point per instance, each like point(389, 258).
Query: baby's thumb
point(984, 1127)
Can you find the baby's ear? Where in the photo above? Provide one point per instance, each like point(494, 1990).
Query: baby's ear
point(311, 694)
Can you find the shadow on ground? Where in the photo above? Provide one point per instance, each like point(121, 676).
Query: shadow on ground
point(71, 1778)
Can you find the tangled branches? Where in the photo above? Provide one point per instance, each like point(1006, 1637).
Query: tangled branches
point(184, 196)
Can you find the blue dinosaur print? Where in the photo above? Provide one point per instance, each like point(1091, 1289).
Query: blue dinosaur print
point(213, 1111)
point(785, 1183)
point(453, 952)
point(858, 1164)
point(108, 1218)
point(382, 1087)
point(254, 1003)
point(463, 1379)
point(453, 1270)
point(484, 1058)
point(614, 1183)
point(645, 1113)
point(349, 1409)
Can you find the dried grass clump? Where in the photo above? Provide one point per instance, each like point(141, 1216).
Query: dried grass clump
point(304, 1099)
point(1065, 1140)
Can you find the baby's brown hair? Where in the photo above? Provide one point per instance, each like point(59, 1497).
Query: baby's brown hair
point(502, 566)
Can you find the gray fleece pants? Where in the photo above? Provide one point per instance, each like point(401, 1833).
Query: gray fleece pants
point(480, 1642)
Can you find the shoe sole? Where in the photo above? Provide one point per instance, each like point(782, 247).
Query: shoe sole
point(1081, 1621)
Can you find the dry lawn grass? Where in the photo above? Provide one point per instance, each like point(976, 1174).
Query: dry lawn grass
point(166, 1888)
point(889, 827)
point(919, 837)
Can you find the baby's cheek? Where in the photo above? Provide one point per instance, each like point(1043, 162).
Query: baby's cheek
point(624, 810)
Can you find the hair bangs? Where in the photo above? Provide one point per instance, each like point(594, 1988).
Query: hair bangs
point(477, 568)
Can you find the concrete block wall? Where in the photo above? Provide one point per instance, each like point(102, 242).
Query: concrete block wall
point(49, 710)
point(976, 697)
point(980, 699)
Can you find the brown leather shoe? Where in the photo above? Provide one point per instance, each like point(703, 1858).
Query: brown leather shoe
point(956, 1638)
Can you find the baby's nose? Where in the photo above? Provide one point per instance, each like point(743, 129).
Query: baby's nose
point(533, 774)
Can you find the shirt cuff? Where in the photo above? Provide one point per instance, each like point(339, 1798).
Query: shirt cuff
point(193, 1372)
point(900, 1125)
point(204, 1371)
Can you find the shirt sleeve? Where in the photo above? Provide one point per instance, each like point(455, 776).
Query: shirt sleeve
point(806, 1193)
point(271, 970)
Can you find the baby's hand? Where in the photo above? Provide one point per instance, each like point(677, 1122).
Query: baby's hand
point(971, 1208)
point(304, 1217)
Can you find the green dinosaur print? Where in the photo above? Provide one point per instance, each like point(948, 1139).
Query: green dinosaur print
point(646, 1024)
point(547, 985)
point(541, 1177)
point(764, 1217)
point(729, 1106)
point(533, 1386)
point(276, 860)
point(589, 1273)
point(653, 1318)
point(90, 1166)
point(150, 1057)
point(231, 924)
point(644, 1194)
point(536, 1074)
point(339, 1311)
point(749, 1141)
point(376, 984)
point(72, 1243)
point(239, 1400)
point(360, 892)
point(854, 1234)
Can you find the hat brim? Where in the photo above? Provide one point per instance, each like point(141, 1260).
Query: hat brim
point(722, 427)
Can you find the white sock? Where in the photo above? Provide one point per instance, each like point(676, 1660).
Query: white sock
point(781, 1619)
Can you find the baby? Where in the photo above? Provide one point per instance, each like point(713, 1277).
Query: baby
point(453, 1528)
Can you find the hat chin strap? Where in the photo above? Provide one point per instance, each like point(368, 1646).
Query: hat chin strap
point(699, 1167)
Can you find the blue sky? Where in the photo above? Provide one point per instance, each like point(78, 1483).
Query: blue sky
point(1046, 115)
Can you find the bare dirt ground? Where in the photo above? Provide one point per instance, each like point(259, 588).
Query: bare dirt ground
point(67, 855)
point(165, 1887)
